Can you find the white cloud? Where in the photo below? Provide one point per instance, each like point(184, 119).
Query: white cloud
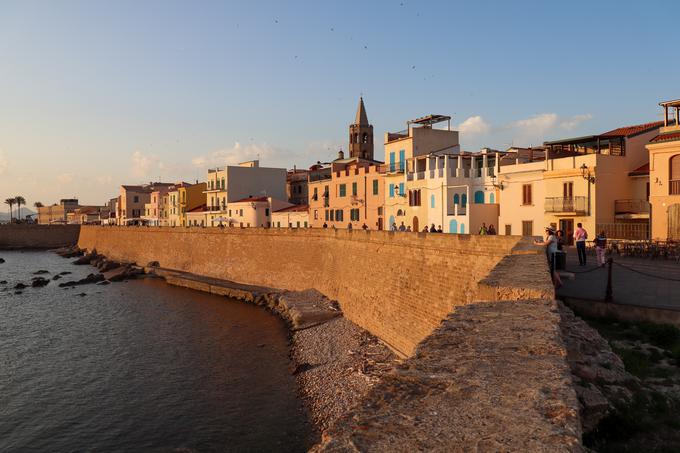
point(474, 125)
point(536, 125)
point(574, 121)
point(4, 164)
point(238, 153)
point(143, 164)
point(104, 179)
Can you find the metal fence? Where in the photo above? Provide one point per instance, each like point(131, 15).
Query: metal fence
point(566, 204)
point(621, 230)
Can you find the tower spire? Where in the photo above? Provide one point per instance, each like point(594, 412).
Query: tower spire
point(361, 118)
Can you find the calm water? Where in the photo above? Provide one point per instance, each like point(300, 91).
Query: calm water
point(139, 366)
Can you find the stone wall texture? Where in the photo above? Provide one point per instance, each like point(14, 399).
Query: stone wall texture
point(38, 236)
point(397, 286)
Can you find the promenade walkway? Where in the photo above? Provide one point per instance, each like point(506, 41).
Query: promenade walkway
point(635, 281)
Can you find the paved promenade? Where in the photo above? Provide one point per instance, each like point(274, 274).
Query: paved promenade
point(629, 285)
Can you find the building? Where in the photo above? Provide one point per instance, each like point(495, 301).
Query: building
point(596, 180)
point(253, 212)
point(133, 199)
point(197, 217)
point(349, 190)
point(296, 216)
point(664, 175)
point(57, 213)
point(421, 150)
point(182, 198)
point(88, 215)
point(153, 214)
point(236, 182)
point(296, 186)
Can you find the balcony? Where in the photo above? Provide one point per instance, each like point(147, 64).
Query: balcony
point(674, 187)
point(566, 205)
point(631, 209)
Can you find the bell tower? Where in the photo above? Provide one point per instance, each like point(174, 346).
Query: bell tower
point(361, 135)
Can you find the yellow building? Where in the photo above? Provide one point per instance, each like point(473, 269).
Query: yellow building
point(595, 180)
point(664, 175)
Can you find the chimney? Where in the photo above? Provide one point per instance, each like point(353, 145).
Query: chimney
point(341, 154)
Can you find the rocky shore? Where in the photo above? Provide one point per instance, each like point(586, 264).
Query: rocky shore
point(335, 362)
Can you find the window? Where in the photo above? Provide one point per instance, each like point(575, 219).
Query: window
point(354, 189)
point(674, 169)
point(354, 215)
point(527, 227)
point(456, 199)
point(327, 215)
point(463, 201)
point(391, 190)
point(316, 194)
point(266, 212)
point(332, 215)
point(135, 199)
point(305, 224)
point(343, 190)
point(316, 214)
point(298, 224)
point(526, 194)
point(240, 212)
point(375, 187)
point(479, 197)
point(508, 230)
point(568, 189)
point(339, 215)
point(401, 188)
point(402, 159)
point(392, 164)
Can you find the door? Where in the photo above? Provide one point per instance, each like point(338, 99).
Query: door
point(380, 223)
point(415, 224)
point(674, 222)
point(567, 227)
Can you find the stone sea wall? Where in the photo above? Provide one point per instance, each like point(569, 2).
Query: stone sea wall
point(38, 236)
point(397, 286)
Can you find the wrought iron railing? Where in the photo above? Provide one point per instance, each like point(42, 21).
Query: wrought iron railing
point(631, 207)
point(566, 204)
point(674, 187)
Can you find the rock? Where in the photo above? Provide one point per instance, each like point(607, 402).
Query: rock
point(105, 282)
point(123, 273)
point(69, 252)
point(56, 277)
point(82, 294)
point(2, 260)
point(39, 282)
point(64, 273)
point(41, 272)
point(85, 259)
point(20, 286)
point(91, 278)
point(3, 282)
point(18, 292)
point(106, 265)
point(153, 264)
point(301, 368)
point(594, 406)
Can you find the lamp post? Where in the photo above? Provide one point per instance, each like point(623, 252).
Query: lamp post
point(585, 173)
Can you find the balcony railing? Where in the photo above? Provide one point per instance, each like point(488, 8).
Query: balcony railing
point(674, 187)
point(631, 207)
point(566, 204)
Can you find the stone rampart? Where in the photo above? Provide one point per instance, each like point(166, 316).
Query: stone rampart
point(18, 236)
point(397, 286)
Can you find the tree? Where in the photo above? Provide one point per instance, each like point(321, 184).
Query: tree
point(38, 204)
point(10, 202)
point(19, 200)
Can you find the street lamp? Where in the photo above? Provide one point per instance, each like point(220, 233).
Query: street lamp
point(495, 184)
point(585, 172)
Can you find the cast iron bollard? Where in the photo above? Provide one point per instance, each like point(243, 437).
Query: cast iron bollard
point(608, 295)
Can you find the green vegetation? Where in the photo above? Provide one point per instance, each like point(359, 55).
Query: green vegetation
point(650, 421)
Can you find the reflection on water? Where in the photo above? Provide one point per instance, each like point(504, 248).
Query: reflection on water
point(139, 366)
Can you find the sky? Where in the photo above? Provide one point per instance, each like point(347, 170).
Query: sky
point(95, 94)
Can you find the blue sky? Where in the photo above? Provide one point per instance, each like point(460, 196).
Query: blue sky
point(95, 94)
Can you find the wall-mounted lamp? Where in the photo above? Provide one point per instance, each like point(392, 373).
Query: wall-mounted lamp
point(585, 172)
point(496, 185)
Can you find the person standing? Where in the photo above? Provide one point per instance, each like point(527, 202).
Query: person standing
point(550, 244)
point(600, 248)
point(393, 227)
point(482, 229)
point(580, 236)
point(491, 230)
point(402, 227)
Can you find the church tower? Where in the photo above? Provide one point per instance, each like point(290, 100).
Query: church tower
point(361, 135)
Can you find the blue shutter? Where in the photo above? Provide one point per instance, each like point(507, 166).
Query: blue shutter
point(402, 158)
point(479, 197)
point(432, 201)
point(391, 190)
point(392, 162)
point(401, 188)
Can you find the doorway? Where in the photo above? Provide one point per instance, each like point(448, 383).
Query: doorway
point(415, 224)
point(567, 226)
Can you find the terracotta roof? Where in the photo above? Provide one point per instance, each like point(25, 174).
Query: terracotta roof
point(251, 199)
point(200, 208)
point(641, 171)
point(666, 137)
point(295, 208)
point(627, 131)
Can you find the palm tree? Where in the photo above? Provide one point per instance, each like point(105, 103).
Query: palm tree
point(19, 200)
point(10, 202)
point(38, 204)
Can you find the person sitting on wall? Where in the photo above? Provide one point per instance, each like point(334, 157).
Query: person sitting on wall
point(364, 227)
point(439, 229)
point(393, 227)
point(433, 229)
point(325, 225)
point(402, 227)
point(491, 229)
point(349, 226)
point(425, 230)
point(408, 229)
point(482, 229)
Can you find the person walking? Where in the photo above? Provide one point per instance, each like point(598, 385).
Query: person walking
point(580, 237)
point(600, 248)
point(550, 244)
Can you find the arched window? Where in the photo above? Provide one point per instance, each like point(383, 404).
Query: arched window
point(364, 138)
point(453, 226)
point(479, 197)
point(462, 228)
point(463, 200)
point(432, 201)
point(492, 198)
point(400, 213)
point(674, 170)
point(456, 199)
